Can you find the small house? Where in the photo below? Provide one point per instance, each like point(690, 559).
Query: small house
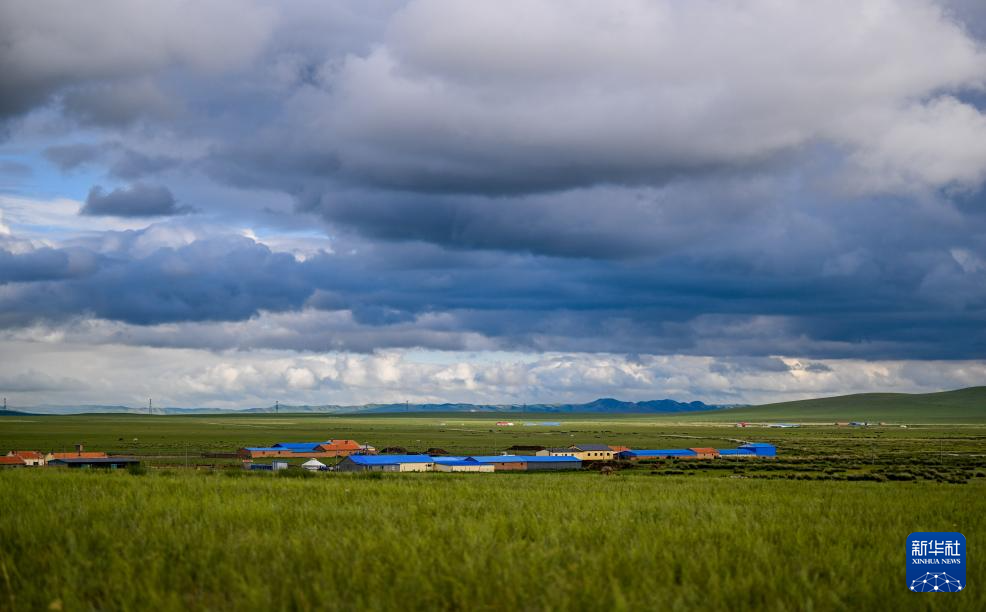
point(705, 453)
point(592, 452)
point(12, 462)
point(31, 458)
point(340, 448)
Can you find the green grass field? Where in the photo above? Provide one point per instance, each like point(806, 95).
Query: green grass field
point(822, 527)
point(960, 406)
point(579, 541)
point(178, 436)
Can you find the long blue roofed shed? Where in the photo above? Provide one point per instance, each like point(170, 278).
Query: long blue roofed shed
point(655, 454)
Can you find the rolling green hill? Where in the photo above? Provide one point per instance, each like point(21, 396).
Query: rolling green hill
point(960, 406)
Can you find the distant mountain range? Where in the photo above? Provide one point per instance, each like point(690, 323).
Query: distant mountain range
point(602, 405)
point(958, 406)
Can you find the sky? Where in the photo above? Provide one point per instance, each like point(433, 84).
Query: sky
point(227, 203)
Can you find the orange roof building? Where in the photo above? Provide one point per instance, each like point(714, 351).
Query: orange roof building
point(348, 446)
point(11, 462)
point(705, 453)
point(76, 455)
point(32, 458)
point(329, 448)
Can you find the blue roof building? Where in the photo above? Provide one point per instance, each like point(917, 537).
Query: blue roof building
point(668, 453)
point(299, 447)
point(451, 459)
point(386, 463)
point(530, 463)
point(760, 449)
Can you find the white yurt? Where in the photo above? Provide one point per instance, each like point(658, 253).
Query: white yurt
point(313, 465)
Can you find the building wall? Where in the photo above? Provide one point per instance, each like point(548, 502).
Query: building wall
point(348, 466)
point(29, 461)
point(705, 455)
point(509, 466)
point(546, 466)
point(463, 468)
point(592, 455)
point(416, 467)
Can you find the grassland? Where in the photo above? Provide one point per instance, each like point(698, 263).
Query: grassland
point(822, 527)
point(960, 406)
point(178, 540)
point(466, 433)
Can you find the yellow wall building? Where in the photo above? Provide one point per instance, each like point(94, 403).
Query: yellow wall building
point(585, 452)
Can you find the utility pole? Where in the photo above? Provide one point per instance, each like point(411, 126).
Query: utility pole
point(277, 406)
point(407, 406)
point(149, 406)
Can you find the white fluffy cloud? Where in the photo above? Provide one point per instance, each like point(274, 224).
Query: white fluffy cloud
point(128, 375)
point(549, 93)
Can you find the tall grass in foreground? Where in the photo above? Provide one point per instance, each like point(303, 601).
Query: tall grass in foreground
point(116, 541)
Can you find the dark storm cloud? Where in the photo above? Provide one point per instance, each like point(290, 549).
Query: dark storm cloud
point(796, 179)
point(45, 264)
point(221, 279)
point(137, 200)
point(412, 294)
